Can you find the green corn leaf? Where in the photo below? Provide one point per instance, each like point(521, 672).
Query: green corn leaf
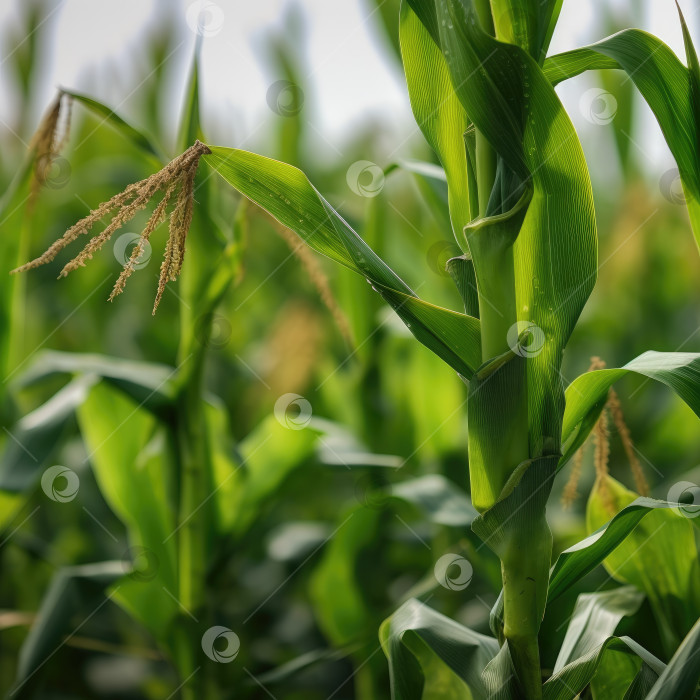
point(576, 675)
point(680, 678)
point(73, 590)
point(595, 618)
point(130, 462)
point(338, 597)
point(439, 114)
point(577, 561)
point(512, 103)
point(659, 557)
point(34, 438)
point(441, 501)
point(669, 88)
point(286, 193)
point(429, 652)
point(586, 395)
point(150, 385)
point(529, 25)
point(13, 252)
point(432, 183)
point(267, 456)
point(109, 116)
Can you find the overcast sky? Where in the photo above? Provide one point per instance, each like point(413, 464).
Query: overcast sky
point(351, 74)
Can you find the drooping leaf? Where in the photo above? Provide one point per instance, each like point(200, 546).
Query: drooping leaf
point(286, 193)
point(440, 500)
point(576, 561)
point(595, 618)
point(74, 591)
point(109, 116)
point(34, 438)
point(586, 395)
point(150, 385)
point(577, 674)
point(429, 652)
point(659, 557)
point(669, 88)
point(511, 102)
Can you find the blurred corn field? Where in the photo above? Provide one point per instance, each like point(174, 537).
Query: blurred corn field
point(267, 468)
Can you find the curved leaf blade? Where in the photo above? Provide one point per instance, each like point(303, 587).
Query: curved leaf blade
point(286, 193)
point(420, 642)
point(584, 556)
point(669, 88)
point(586, 395)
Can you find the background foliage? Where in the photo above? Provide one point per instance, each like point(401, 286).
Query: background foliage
point(331, 527)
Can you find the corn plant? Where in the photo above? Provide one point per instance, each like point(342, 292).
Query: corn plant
point(482, 90)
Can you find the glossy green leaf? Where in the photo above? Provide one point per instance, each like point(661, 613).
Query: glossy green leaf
point(659, 557)
point(129, 458)
point(150, 385)
point(586, 395)
point(109, 116)
point(669, 88)
point(527, 24)
point(576, 675)
point(431, 656)
point(577, 561)
point(511, 102)
point(439, 114)
point(595, 618)
point(681, 677)
point(286, 193)
point(441, 501)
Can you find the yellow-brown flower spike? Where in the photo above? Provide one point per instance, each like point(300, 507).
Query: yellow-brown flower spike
point(46, 143)
point(175, 179)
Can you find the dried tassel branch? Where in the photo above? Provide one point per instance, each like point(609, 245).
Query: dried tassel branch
point(640, 482)
point(601, 457)
point(570, 493)
point(601, 437)
point(318, 279)
point(46, 143)
point(177, 176)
